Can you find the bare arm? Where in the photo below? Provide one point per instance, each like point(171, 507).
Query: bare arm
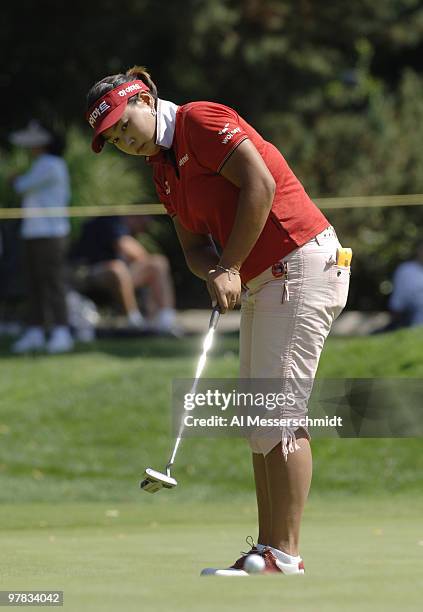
point(199, 250)
point(246, 169)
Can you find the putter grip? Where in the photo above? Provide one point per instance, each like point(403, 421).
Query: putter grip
point(214, 317)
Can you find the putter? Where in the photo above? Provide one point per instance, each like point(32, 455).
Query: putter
point(152, 480)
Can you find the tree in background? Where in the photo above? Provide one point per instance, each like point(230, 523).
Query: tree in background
point(337, 86)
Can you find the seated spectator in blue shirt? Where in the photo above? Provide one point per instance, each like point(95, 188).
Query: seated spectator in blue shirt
point(113, 260)
point(406, 301)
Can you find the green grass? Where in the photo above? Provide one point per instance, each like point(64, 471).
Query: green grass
point(84, 426)
point(77, 431)
point(360, 554)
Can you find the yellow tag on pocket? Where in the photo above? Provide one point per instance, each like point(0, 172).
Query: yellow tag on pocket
point(343, 257)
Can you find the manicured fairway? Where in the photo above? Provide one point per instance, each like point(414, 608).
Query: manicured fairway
point(360, 554)
point(83, 427)
point(77, 431)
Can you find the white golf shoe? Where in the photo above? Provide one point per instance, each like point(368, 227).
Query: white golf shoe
point(237, 569)
point(272, 565)
point(60, 341)
point(33, 339)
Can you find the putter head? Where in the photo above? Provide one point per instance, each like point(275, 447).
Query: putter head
point(154, 481)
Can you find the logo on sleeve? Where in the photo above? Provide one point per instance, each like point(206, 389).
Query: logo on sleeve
point(229, 134)
point(167, 187)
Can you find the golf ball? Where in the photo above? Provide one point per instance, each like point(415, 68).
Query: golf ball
point(254, 564)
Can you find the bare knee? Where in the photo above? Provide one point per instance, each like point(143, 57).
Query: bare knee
point(159, 264)
point(112, 274)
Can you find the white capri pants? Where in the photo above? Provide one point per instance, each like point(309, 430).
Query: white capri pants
point(286, 316)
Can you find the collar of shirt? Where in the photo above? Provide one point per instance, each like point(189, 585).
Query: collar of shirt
point(166, 121)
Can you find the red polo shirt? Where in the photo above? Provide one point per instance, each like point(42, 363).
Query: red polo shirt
point(188, 183)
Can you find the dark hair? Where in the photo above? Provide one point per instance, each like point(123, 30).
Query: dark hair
point(110, 82)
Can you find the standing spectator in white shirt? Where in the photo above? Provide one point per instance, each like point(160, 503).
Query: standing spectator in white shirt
point(406, 301)
point(44, 185)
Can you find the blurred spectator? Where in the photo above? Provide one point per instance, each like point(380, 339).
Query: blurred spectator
point(44, 185)
point(406, 301)
point(11, 282)
point(112, 259)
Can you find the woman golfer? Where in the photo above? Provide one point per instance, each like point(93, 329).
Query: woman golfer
point(222, 183)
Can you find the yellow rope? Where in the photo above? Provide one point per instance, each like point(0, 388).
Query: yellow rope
point(158, 209)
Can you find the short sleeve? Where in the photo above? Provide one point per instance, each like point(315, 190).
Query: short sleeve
point(213, 132)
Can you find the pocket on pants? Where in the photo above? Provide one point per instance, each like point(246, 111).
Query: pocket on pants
point(339, 281)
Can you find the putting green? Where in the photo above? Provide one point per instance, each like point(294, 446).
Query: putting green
point(360, 554)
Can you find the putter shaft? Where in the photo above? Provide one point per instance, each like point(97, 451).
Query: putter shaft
point(154, 481)
point(214, 319)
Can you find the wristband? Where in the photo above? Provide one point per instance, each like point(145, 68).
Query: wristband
point(228, 270)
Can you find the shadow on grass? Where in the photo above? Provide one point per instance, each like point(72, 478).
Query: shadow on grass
point(141, 346)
